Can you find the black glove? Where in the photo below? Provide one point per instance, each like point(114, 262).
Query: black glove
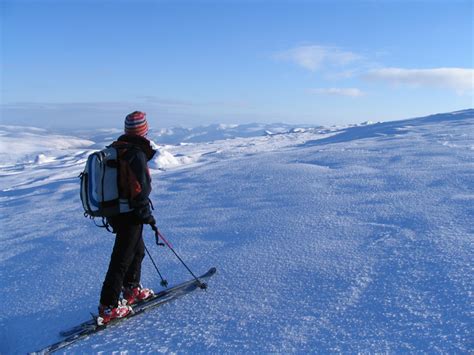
point(149, 220)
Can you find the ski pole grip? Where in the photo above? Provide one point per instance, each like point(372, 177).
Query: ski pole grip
point(157, 235)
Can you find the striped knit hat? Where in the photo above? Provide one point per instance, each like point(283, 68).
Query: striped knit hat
point(136, 124)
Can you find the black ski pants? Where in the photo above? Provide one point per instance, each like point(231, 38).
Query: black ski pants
point(126, 260)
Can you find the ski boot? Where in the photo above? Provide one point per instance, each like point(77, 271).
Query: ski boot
point(108, 313)
point(136, 294)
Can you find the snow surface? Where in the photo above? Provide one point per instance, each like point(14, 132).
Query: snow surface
point(353, 239)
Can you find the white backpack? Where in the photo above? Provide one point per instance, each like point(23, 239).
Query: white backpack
point(100, 194)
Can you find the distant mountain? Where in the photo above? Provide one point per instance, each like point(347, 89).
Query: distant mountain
point(216, 132)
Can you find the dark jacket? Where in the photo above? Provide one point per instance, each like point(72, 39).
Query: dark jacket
point(139, 152)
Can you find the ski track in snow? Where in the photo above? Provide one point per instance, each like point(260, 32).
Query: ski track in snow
point(342, 240)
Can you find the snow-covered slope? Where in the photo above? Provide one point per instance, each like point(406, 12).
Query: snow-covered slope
point(28, 144)
point(356, 240)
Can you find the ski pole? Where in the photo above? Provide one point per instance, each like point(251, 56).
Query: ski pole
point(163, 282)
point(158, 236)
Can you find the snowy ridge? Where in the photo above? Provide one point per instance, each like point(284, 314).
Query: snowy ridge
point(350, 239)
point(218, 132)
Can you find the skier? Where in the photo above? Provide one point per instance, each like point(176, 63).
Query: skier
point(129, 250)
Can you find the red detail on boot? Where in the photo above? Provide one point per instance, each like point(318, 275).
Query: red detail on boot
point(107, 313)
point(137, 294)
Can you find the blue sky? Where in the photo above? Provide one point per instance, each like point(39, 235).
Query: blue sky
point(89, 63)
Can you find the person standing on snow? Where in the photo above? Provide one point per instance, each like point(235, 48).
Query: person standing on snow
point(124, 270)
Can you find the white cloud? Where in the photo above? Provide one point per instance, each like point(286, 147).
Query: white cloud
point(352, 92)
point(314, 57)
point(459, 79)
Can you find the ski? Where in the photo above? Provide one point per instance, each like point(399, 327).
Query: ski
point(160, 295)
point(90, 327)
